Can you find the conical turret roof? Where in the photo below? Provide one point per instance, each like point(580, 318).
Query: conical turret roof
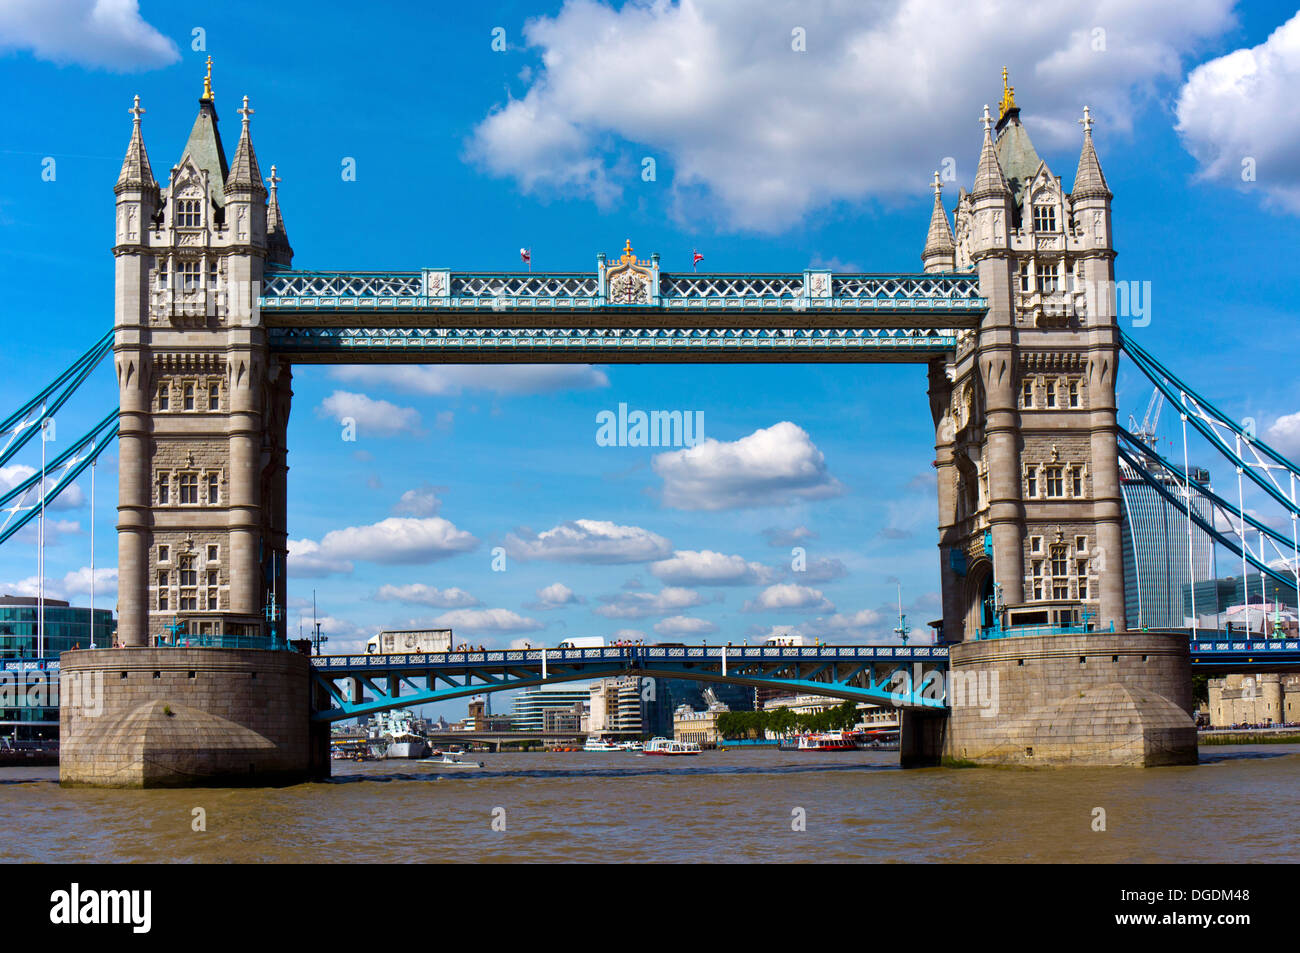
point(245, 176)
point(938, 240)
point(1089, 181)
point(136, 172)
point(989, 179)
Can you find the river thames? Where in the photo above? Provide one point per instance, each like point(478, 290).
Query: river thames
point(1238, 805)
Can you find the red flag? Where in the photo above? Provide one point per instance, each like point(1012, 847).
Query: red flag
point(696, 258)
point(526, 256)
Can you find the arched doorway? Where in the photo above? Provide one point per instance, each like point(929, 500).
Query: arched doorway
point(978, 598)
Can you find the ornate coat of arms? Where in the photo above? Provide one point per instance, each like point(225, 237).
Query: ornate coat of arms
point(629, 282)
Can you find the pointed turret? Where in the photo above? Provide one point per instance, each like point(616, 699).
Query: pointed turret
point(245, 194)
point(989, 180)
point(1088, 179)
point(245, 176)
point(277, 237)
point(136, 172)
point(940, 248)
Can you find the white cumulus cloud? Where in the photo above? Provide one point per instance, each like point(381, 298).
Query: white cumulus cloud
point(107, 34)
point(681, 625)
point(418, 593)
point(396, 540)
point(1239, 115)
point(1283, 435)
point(497, 621)
point(639, 605)
point(588, 541)
point(707, 568)
point(789, 597)
point(772, 467)
point(737, 117)
point(556, 596)
point(371, 416)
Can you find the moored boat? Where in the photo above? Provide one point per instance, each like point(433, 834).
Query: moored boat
point(669, 747)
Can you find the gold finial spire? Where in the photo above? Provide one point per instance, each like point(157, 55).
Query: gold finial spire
point(628, 256)
point(1008, 97)
point(207, 82)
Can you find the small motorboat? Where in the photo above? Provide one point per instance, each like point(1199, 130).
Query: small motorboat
point(451, 759)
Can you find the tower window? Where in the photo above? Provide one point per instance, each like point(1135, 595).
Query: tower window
point(164, 397)
point(1022, 273)
point(164, 553)
point(1031, 482)
point(1074, 393)
point(213, 553)
point(164, 488)
point(212, 274)
point(189, 275)
point(1049, 278)
point(189, 488)
point(213, 487)
point(162, 591)
point(1044, 218)
point(214, 397)
point(1076, 482)
point(1027, 393)
point(1055, 480)
point(162, 272)
point(189, 213)
point(188, 396)
point(1049, 394)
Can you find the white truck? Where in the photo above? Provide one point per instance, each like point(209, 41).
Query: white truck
point(585, 642)
point(409, 642)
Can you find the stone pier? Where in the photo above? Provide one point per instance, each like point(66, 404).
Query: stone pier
point(177, 717)
point(1055, 700)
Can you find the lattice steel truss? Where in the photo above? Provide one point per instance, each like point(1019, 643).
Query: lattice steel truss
point(898, 676)
point(441, 290)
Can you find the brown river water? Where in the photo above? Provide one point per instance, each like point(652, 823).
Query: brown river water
point(1238, 805)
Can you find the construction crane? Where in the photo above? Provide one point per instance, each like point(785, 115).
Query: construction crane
point(1146, 432)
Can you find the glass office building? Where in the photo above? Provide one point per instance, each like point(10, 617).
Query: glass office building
point(529, 706)
point(1157, 568)
point(29, 711)
point(671, 693)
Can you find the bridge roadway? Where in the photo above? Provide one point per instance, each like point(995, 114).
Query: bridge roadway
point(903, 676)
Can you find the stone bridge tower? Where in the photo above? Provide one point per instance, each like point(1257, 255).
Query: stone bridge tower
point(1028, 479)
point(204, 405)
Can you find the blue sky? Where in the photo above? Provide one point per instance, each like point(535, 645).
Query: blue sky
point(766, 159)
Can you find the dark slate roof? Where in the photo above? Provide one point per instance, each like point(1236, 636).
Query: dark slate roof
point(204, 147)
point(1017, 156)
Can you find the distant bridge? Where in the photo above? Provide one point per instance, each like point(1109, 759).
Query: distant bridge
point(349, 686)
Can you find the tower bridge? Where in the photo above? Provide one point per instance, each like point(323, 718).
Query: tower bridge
point(211, 314)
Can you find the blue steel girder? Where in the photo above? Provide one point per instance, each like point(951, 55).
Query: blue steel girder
point(609, 344)
point(438, 290)
point(453, 675)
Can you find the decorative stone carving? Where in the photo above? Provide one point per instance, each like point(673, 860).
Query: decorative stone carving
point(629, 282)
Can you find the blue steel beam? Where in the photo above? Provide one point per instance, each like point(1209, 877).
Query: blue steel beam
point(22, 427)
point(1174, 389)
point(745, 665)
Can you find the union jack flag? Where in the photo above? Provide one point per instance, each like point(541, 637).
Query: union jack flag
point(696, 258)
